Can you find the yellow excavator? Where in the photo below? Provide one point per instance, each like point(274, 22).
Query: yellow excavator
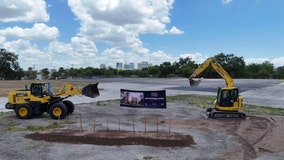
point(39, 98)
point(228, 103)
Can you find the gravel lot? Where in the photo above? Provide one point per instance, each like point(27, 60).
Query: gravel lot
point(256, 137)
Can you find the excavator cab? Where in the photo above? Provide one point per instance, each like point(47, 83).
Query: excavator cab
point(227, 97)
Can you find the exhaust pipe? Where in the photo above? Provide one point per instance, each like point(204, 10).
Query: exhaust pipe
point(91, 90)
point(194, 83)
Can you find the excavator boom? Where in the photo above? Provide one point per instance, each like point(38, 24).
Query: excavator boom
point(217, 67)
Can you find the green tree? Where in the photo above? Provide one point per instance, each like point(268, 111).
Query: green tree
point(166, 69)
point(72, 72)
point(154, 71)
point(280, 72)
point(184, 67)
point(62, 73)
point(264, 70)
point(234, 65)
point(45, 72)
point(9, 66)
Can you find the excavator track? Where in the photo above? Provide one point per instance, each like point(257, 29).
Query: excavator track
point(217, 114)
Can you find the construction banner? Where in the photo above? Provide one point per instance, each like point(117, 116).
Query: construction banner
point(143, 99)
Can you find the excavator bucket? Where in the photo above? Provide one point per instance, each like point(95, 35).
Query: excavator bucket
point(194, 83)
point(91, 90)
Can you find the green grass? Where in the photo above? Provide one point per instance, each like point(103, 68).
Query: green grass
point(202, 101)
point(12, 127)
point(101, 103)
point(262, 110)
point(192, 99)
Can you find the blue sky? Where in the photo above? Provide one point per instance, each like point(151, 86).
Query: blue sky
point(81, 33)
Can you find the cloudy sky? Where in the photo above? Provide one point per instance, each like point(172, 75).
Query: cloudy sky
point(81, 33)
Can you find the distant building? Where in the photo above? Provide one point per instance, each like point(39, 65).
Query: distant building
point(118, 65)
point(39, 77)
point(102, 66)
point(126, 66)
point(51, 72)
point(141, 65)
point(131, 66)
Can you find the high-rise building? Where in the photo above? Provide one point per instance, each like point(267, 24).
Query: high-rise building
point(118, 65)
point(131, 66)
point(141, 65)
point(102, 66)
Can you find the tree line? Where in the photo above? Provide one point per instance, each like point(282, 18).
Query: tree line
point(234, 65)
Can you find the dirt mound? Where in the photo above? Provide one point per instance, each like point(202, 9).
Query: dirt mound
point(109, 138)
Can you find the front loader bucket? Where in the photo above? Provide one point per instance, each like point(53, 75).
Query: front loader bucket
point(91, 90)
point(194, 83)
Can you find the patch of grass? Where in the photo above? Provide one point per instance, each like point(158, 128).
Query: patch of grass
point(262, 110)
point(150, 158)
point(13, 128)
point(193, 99)
point(101, 103)
point(202, 101)
point(7, 113)
point(31, 147)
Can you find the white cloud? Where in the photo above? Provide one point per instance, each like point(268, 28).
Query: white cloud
point(39, 31)
point(29, 55)
point(277, 62)
point(120, 22)
point(174, 30)
point(159, 57)
point(226, 1)
point(23, 10)
point(196, 57)
point(2, 40)
point(83, 46)
point(79, 52)
point(116, 22)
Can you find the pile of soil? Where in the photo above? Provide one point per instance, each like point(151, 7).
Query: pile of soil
point(117, 138)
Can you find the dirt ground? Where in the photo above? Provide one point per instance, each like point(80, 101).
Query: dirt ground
point(106, 130)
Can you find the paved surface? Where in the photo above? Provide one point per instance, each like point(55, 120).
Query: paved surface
point(260, 92)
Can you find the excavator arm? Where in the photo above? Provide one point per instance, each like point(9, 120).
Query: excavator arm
point(217, 67)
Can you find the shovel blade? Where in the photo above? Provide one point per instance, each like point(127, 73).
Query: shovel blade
point(91, 90)
point(195, 83)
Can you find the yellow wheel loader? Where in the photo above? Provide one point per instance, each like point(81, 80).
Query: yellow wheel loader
point(39, 98)
point(228, 103)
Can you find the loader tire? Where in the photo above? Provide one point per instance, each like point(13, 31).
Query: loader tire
point(70, 106)
point(24, 111)
point(58, 111)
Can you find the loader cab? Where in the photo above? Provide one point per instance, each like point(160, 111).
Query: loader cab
point(41, 89)
point(227, 96)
